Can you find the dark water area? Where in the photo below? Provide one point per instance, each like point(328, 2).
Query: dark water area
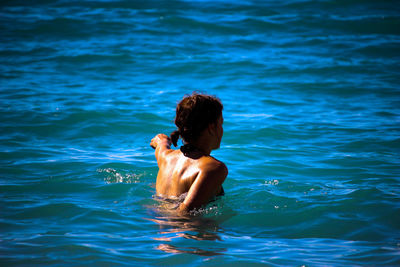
point(311, 131)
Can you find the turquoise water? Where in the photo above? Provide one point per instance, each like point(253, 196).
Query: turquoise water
point(311, 133)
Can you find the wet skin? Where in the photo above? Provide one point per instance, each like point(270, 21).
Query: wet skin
point(194, 172)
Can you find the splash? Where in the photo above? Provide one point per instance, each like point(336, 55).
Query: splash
point(272, 182)
point(119, 176)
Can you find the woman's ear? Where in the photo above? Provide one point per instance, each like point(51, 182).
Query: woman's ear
point(211, 128)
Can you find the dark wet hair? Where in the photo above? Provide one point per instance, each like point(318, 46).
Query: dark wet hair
point(193, 114)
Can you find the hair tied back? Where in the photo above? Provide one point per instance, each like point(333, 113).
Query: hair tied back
point(174, 137)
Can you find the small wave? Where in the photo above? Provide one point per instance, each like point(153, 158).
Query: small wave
point(252, 115)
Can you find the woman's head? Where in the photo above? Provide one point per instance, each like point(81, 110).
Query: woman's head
point(194, 114)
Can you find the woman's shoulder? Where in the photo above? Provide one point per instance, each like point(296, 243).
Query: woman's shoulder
point(213, 165)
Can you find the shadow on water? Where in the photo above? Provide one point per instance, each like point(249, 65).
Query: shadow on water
point(192, 234)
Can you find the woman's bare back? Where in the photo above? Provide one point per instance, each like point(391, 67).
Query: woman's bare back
point(177, 173)
point(200, 176)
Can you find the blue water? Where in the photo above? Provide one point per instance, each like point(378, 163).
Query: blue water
point(311, 94)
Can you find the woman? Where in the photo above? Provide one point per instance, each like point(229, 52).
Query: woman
point(191, 169)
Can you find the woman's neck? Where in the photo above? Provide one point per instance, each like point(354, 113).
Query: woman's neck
point(191, 147)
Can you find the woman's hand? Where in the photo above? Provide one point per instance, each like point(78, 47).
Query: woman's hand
point(160, 139)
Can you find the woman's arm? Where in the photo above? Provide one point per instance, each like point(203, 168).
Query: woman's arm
point(161, 143)
point(207, 185)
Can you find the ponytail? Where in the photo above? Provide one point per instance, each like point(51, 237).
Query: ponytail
point(174, 137)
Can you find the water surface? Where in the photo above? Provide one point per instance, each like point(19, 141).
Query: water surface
point(311, 132)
